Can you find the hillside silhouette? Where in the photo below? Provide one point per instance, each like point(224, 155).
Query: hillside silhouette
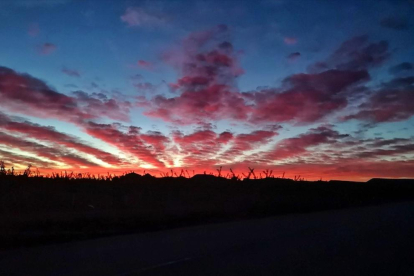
point(64, 207)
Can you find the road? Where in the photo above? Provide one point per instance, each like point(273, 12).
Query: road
point(376, 240)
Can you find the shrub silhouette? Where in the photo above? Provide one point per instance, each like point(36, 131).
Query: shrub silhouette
point(61, 202)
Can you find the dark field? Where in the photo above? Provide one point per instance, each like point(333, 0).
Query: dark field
point(43, 210)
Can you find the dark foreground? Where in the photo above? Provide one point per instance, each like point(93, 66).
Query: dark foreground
point(36, 211)
point(375, 240)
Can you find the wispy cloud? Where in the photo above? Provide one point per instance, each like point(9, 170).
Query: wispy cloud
point(47, 48)
point(71, 72)
point(137, 17)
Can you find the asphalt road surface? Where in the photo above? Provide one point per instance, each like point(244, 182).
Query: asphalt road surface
point(377, 240)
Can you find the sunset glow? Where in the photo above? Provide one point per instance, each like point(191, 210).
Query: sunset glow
point(192, 86)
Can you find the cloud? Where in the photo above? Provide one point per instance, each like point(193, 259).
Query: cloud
point(354, 54)
point(33, 30)
point(50, 153)
point(207, 89)
point(71, 72)
point(49, 134)
point(98, 106)
point(199, 149)
point(293, 56)
point(290, 40)
point(24, 94)
point(299, 146)
point(395, 23)
point(47, 48)
point(209, 68)
point(137, 17)
point(12, 159)
point(306, 98)
point(392, 102)
point(246, 142)
point(130, 142)
point(401, 68)
point(145, 65)
point(33, 3)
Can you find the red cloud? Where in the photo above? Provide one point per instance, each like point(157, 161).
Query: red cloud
point(209, 68)
point(127, 142)
point(201, 147)
point(14, 159)
point(307, 97)
point(53, 154)
point(247, 141)
point(25, 94)
point(298, 146)
point(60, 139)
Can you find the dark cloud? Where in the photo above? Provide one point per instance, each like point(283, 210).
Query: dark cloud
point(294, 56)
point(356, 53)
point(71, 72)
point(47, 48)
point(402, 67)
point(392, 102)
point(395, 23)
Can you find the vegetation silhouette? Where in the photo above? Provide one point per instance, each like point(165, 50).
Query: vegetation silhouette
point(40, 209)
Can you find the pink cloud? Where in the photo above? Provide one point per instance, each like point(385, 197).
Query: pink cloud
point(247, 141)
point(33, 30)
point(208, 68)
point(130, 142)
point(391, 103)
point(51, 153)
point(47, 48)
point(290, 40)
point(145, 65)
point(59, 139)
point(298, 146)
point(307, 97)
point(25, 94)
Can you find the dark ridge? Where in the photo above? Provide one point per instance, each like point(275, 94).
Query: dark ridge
point(37, 210)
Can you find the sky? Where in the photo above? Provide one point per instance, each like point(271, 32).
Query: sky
point(316, 89)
